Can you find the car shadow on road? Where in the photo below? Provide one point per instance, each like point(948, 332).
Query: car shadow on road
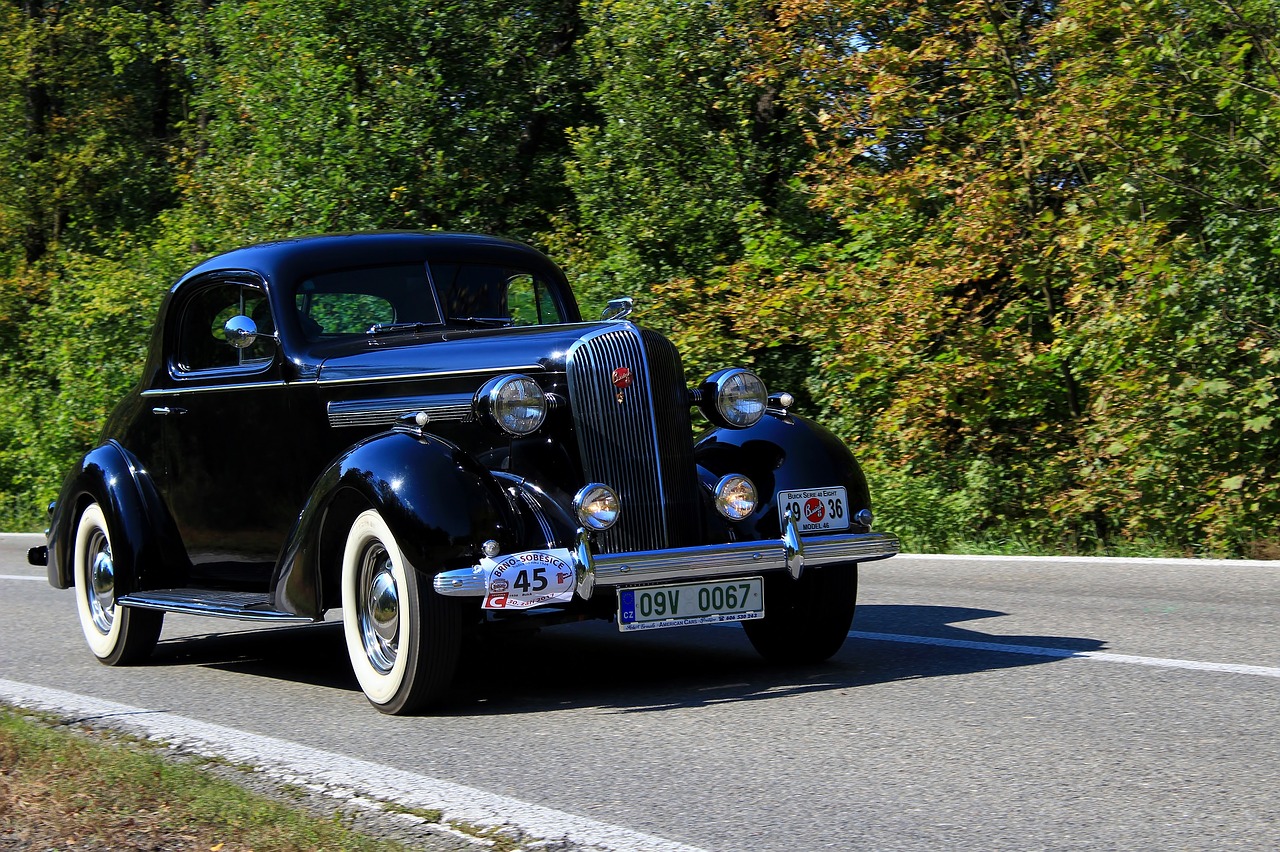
point(594, 665)
point(714, 665)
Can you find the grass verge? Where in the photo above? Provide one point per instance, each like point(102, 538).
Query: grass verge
point(63, 788)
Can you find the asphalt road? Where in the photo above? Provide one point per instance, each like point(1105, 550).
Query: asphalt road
point(1129, 706)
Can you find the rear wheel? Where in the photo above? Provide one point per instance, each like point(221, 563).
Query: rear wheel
point(117, 635)
point(403, 638)
point(806, 620)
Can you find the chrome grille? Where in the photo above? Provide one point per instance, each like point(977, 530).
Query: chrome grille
point(641, 445)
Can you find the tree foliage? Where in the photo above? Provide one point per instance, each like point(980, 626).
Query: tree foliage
point(1021, 252)
point(1051, 313)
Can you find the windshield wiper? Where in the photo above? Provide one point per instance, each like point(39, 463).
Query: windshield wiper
point(481, 322)
point(399, 327)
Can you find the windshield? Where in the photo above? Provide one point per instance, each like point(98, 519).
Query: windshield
point(405, 298)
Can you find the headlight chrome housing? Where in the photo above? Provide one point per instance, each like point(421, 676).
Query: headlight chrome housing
point(597, 507)
point(513, 403)
point(735, 398)
point(736, 497)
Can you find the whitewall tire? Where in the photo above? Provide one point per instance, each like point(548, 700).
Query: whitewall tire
point(402, 637)
point(117, 635)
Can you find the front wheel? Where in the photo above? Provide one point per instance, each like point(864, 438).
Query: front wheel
point(117, 635)
point(403, 639)
point(806, 620)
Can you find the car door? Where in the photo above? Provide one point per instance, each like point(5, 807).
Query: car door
point(229, 474)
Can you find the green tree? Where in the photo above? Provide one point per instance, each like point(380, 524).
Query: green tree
point(693, 164)
point(1048, 210)
point(1184, 342)
point(338, 115)
point(88, 123)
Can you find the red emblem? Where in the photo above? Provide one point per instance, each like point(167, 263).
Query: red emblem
point(813, 510)
point(622, 380)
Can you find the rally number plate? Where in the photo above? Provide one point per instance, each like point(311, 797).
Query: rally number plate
point(816, 509)
point(651, 607)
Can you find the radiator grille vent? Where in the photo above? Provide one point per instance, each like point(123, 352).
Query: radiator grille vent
point(641, 445)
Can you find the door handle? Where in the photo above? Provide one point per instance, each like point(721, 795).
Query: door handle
point(166, 409)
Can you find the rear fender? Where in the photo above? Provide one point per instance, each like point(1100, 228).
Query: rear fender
point(145, 543)
point(438, 501)
point(781, 453)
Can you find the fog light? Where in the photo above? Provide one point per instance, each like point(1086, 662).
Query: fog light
point(735, 497)
point(597, 507)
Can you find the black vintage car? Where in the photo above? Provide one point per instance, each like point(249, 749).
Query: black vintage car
point(419, 429)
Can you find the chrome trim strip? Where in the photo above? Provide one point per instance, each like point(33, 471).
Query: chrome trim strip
point(212, 388)
point(537, 369)
point(548, 536)
point(526, 492)
point(495, 371)
point(695, 563)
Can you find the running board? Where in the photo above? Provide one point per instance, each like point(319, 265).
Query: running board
point(246, 606)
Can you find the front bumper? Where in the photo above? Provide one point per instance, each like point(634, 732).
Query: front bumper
point(791, 553)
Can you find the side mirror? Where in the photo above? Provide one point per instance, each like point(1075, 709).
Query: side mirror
point(617, 309)
point(240, 332)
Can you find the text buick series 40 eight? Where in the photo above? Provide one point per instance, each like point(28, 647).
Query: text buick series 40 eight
point(420, 429)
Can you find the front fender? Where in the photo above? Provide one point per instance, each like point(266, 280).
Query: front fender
point(780, 453)
point(145, 542)
point(438, 501)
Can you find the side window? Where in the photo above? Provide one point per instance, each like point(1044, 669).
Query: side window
point(202, 343)
point(529, 301)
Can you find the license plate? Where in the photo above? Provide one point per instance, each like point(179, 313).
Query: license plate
point(816, 509)
point(652, 607)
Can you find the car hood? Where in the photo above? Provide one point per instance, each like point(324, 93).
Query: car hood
point(524, 349)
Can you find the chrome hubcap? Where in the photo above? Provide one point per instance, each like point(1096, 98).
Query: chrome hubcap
point(379, 612)
point(102, 584)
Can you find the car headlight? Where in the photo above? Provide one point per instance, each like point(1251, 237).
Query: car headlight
point(736, 496)
point(513, 403)
point(735, 398)
point(597, 507)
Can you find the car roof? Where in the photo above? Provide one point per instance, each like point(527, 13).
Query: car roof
point(295, 258)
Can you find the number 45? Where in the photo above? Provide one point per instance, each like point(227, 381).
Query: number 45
point(522, 583)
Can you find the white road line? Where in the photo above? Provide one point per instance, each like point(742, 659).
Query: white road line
point(1068, 654)
point(342, 776)
point(24, 577)
point(1091, 561)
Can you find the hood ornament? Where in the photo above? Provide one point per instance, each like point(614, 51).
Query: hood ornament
point(618, 309)
point(622, 378)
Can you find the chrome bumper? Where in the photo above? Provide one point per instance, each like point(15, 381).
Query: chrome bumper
point(791, 553)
